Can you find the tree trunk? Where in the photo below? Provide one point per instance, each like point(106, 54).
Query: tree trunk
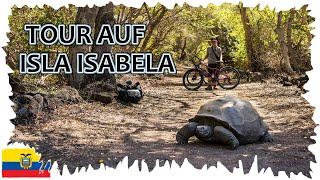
point(94, 17)
point(152, 25)
point(183, 53)
point(285, 64)
point(305, 22)
point(101, 87)
point(85, 15)
point(104, 16)
point(291, 51)
point(305, 62)
point(253, 66)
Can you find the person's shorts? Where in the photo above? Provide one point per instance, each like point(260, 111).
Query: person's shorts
point(210, 70)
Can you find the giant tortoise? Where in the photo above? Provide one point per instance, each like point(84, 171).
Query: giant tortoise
point(229, 121)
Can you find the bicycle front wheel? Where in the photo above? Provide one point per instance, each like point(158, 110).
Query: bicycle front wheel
point(228, 77)
point(193, 79)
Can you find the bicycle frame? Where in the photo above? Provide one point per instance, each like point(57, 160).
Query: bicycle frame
point(204, 72)
point(220, 75)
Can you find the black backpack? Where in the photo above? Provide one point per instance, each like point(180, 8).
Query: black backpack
point(130, 93)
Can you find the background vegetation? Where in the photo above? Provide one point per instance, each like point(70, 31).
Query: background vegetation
point(256, 40)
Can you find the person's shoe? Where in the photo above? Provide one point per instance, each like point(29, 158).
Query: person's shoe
point(209, 88)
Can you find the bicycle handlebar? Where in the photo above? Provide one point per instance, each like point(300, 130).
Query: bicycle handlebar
point(196, 65)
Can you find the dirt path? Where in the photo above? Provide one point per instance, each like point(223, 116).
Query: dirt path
point(86, 133)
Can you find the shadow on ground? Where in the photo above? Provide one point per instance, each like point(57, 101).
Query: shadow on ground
point(89, 133)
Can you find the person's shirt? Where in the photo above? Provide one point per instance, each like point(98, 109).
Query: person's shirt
point(212, 58)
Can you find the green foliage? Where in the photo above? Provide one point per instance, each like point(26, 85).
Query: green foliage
point(19, 38)
point(182, 31)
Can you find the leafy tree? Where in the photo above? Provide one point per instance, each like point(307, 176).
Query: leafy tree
point(255, 39)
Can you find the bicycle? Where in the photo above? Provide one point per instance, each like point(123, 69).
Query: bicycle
point(226, 77)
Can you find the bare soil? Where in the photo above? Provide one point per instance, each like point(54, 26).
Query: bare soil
point(90, 132)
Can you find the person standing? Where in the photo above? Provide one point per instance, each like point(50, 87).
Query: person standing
point(214, 56)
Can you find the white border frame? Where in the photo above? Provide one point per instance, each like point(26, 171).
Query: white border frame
point(186, 171)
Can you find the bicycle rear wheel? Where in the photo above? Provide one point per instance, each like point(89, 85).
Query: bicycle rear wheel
point(193, 79)
point(228, 77)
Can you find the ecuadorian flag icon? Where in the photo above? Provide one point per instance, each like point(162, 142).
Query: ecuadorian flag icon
point(23, 162)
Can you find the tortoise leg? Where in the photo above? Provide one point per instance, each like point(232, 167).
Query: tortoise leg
point(186, 132)
point(225, 136)
point(266, 137)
